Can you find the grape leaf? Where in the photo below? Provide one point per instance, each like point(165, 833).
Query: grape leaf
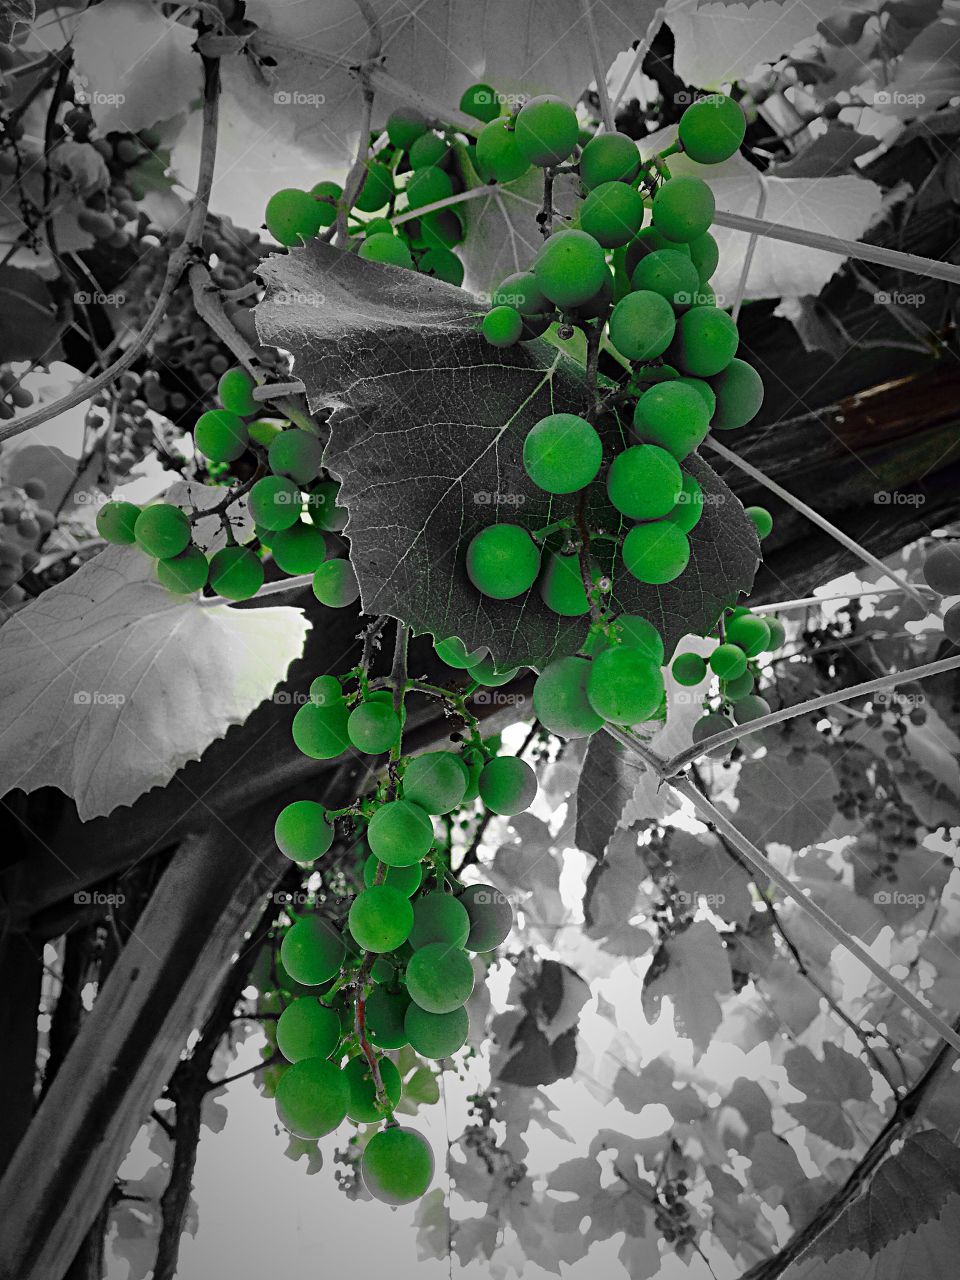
point(13, 12)
point(828, 155)
point(611, 897)
point(786, 797)
point(607, 781)
point(655, 1083)
point(29, 328)
point(691, 968)
point(107, 664)
point(703, 869)
point(774, 1163)
point(827, 1084)
point(426, 437)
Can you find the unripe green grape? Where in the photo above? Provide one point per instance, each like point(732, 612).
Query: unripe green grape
point(508, 785)
point(683, 209)
point(162, 530)
point(335, 583)
point(613, 214)
point(705, 343)
point(326, 691)
point(596, 306)
point(502, 326)
point(705, 255)
point(491, 915)
point(609, 157)
point(672, 416)
point(292, 215)
point(299, 549)
point(485, 672)
point(624, 686)
point(570, 268)
point(560, 699)
point(561, 585)
point(263, 432)
point(428, 151)
point(728, 661)
point(377, 189)
point(702, 389)
point(400, 833)
point(473, 762)
point(436, 781)
point(441, 229)
point(503, 561)
point(302, 831)
point(647, 241)
point(428, 185)
point(562, 453)
point(405, 126)
point(941, 569)
point(275, 503)
point(637, 633)
point(656, 553)
point(236, 573)
point(397, 1166)
point(381, 918)
point(323, 507)
point(374, 727)
point(762, 521)
point(405, 880)
point(642, 325)
point(749, 633)
point(312, 951)
point(522, 292)
point(686, 514)
point(439, 917)
point(295, 454)
point(669, 273)
point(308, 1029)
point(441, 264)
point(221, 436)
point(385, 248)
point(116, 522)
point(547, 130)
point(362, 1107)
point(778, 634)
point(498, 157)
point(644, 482)
point(184, 573)
point(454, 653)
point(321, 732)
point(385, 1011)
point(689, 669)
point(738, 687)
point(439, 977)
point(752, 707)
point(436, 1035)
point(327, 194)
point(481, 102)
point(312, 1098)
point(712, 129)
point(235, 392)
point(739, 392)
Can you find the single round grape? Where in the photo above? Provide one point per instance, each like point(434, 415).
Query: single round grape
point(940, 569)
point(705, 255)
point(335, 583)
point(299, 549)
point(637, 633)
point(705, 343)
point(381, 918)
point(683, 209)
point(292, 215)
point(262, 432)
point(441, 229)
point(436, 781)
point(442, 265)
point(778, 634)
point(454, 653)
point(439, 977)
point(312, 1098)
point(498, 157)
point(373, 727)
point(405, 126)
point(547, 130)
point(560, 699)
point(400, 833)
point(274, 503)
point(624, 686)
point(503, 561)
point(613, 214)
point(377, 189)
point(323, 506)
point(236, 573)
point(749, 633)
point(385, 1011)
point(485, 672)
point(647, 241)
point(642, 325)
point(428, 151)
point(669, 273)
point(302, 831)
point(220, 435)
point(644, 482)
point(739, 392)
point(703, 389)
point(752, 707)
point(570, 268)
point(481, 102)
point(362, 1107)
point(116, 523)
point(312, 951)
point(656, 553)
point(502, 326)
point(672, 416)
point(321, 732)
point(561, 585)
point(951, 623)
point(439, 917)
point(522, 292)
point(325, 691)
point(327, 195)
point(436, 1035)
point(295, 454)
point(728, 661)
point(562, 453)
point(686, 514)
point(609, 157)
point(490, 912)
point(397, 1166)
point(712, 129)
point(762, 521)
point(235, 392)
point(428, 185)
point(689, 669)
point(738, 687)
point(406, 880)
point(184, 573)
point(598, 305)
point(308, 1029)
point(162, 530)
point(508, 785)
point(709, 725)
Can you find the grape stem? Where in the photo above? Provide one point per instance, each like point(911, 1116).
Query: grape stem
point(545, 215)
point(805, 602)
point(643, 48)
point(354, 180)
point(600, 75)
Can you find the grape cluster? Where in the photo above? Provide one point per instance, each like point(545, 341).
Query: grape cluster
point(127, 434)
point(23, 522)
point(13, 396)
point(941, 572)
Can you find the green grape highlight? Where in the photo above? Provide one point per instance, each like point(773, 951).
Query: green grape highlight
point(335, 583)
point(689, 669)
point(235, 392)
point(546, 130)
point(609, 157)
point(481, 102)
point(683, 209)
point(436, 781)
point(362, 1107)
point(184, 573)
point(624, 686)
point(300, 548)
point(491, 916)
point(728, 661)
point(642, 325)
point(656, 553)
point(503, 561)
point(312, 1098)
point(381, 918)
point(644, 482)
point(761, 520)
point(321, 732)
point(706, 342)
point(570, 268)
point(508, 785)
point(739, 394)
point(673, 416)
point(116, 523)
point(295, 454)
point(562, 453)
point(686, 514)
point(308, 1029)
point(293, 215)
point(436, 1035)
point(502, 326)
point(397, 1166)
point(302, 831)
point(498, 157)
point(439, 977)
point(162, 530)
point(275, 503)
point(400, 833)
point(406, 879)
point(671, 274)
point(236, 573)
point(312, 951)
point(712, 129)
point(613, 214)
point(385, 1013)
point(439, 917)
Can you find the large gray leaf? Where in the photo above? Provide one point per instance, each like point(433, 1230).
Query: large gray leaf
point(607, 781)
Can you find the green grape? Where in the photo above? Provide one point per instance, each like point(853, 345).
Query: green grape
point(490, 912)
point(473, 761)
point(454, 653)
point(323, 508)
point(441, 229)
point(439, 977)
point(436, 1035)
point(705, 255)
point(292, 215)
point(689, 669)
point(686, 514)
point(703, 389)
point(637, 633)
point(598, 305)
point(673, 416)
point(397, 1166)
point(308, 1029)
point(299, 549)
point(263, 432)
point(236, 573)
point(609, 157)
point(778, 634)
point(374, 727)
point(439, 917)
point(312, 951)
point(498, 157)
point(683, 209)
point(162, 530)
point(221, 436)
point(508, 785)
point(561, 585)
point(649, 240)
point(705, 344)
point(752, 707)
point(669, 273)
point(562, 453)
point(363, 1107)
point(570, 267)
point(428, 185)
point(275, 503)
point(312, 1098)
point(485, 672)
point(738, 687)
point(503, 561)
point(405, 879)
point(385, 1011)
point(335, 583)
point(522, 292)
point(400, 833)
point(739, 392)
point(624, 686)
point(502, 326)
point(436, 781)
point(295, 454)
point(712, 129)
point(940, 569)
point(326, 691)
point(428, 151)
point(381, 918)
point(642, 325)
point(762, 521)
point(749, 633)
point(560, 699)
point(547, 130)
point(442, 265)
point(656, 553)
point(327, 194)
point(387, 249)
point(116, 522)
point(377, 189)
point(728, 661)
point(302, 831)
point(481, 102)
point(184, 573)
point(321, 732)
point(235, 392)
point(613, 214)
point(405, 126)
point(644, 482)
